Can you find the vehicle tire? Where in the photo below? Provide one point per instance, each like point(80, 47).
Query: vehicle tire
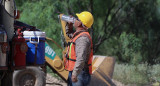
point(7, 79)
point(31, 76)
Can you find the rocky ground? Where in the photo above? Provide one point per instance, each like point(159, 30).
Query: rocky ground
point(118, 83)
point(52, 81)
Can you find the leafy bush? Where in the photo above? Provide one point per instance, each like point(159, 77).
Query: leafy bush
point(141, 74)
point(42, 14)
point(126, 48)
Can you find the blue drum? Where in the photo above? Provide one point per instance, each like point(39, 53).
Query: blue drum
point(36, 47)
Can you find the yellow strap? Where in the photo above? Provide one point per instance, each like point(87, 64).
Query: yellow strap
point(70, 50)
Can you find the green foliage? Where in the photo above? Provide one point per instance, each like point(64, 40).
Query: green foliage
point(129, 47)
point(42, 14)
point(126, 29)
point(133, 34)
point(126, 48)
point(138, 75)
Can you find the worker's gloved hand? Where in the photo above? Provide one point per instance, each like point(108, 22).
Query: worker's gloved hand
point(70, 26)
point(74, 78)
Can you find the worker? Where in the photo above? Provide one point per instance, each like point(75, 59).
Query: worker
point(80, 50)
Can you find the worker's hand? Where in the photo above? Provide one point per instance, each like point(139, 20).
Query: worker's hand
point(70, 25)
point(69, 28)
point(74, 78)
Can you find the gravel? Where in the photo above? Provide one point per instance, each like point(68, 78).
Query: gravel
point(52, 81)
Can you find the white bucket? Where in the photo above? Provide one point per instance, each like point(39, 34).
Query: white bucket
point(34, 34)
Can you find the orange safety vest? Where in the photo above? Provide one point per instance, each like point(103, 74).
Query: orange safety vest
point(70, 58)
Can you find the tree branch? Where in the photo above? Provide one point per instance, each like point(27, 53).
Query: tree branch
point(105, 30)
point(96, 45)
point(107, 15)
point(104, 37)
point(91, 10)
point(69, 8)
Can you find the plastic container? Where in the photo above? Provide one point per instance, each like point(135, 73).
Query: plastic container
point(68, 18)
point(36, 47)
point(3, 49)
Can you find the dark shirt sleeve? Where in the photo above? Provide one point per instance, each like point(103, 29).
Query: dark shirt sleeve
point(82, 48)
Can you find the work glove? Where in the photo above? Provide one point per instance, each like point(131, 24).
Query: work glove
point(69, 27)
point(69, 30)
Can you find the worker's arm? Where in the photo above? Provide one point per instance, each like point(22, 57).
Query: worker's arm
point(82, 48)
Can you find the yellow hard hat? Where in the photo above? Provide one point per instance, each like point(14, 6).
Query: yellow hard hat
point(86, 18)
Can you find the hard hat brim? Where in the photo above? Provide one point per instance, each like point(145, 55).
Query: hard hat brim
point(77, 14)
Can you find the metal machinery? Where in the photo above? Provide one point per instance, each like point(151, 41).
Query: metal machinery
point(7, 27)
point(19, 66)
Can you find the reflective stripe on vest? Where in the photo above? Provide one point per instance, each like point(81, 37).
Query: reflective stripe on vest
point(70, 47)
point(71, 58)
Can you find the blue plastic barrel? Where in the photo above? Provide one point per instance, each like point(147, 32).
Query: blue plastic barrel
point(35, 38)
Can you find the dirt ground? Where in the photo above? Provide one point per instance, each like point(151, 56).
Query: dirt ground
point(117, 83)
point(52, 81)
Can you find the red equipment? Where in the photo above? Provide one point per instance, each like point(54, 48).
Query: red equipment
point(19, 49)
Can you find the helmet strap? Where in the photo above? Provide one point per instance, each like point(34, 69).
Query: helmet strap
point(84, 26)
